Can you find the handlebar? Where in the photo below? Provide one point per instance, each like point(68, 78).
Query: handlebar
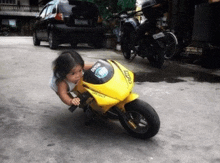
point(73, 108)
point(83, 97)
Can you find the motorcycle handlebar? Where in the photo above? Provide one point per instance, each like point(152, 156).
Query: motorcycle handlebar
point(83, 97)
point(73, 108)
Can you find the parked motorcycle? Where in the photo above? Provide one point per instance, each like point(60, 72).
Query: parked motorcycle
point(157, 44)
point(106, 91)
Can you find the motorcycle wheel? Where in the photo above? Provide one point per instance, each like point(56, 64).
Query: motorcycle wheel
point(171, 43)
point(141, 120)
point(156, 56)
point(126, 45)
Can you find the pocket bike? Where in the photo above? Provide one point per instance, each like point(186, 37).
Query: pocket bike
point(106, 90)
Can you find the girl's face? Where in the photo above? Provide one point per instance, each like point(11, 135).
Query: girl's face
point(75, 74)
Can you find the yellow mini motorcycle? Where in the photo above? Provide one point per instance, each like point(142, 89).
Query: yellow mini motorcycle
point(106, 90)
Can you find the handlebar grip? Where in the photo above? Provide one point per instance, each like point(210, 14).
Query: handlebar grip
point(72, 108)
point(83, 97)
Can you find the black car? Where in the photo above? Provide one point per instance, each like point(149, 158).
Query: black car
point(69, 21)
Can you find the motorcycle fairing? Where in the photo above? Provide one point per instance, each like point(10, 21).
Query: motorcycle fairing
point(104, 101)
point(100, 73)
point(115, 89)
point(130, 98)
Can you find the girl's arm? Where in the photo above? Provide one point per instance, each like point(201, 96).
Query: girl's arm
point(66, 97)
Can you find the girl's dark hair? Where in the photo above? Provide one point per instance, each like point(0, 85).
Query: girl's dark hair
point(66, 61)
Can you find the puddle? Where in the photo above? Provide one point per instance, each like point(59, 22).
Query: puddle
point(175, 75)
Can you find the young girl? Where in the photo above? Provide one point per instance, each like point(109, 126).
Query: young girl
point(67, 71)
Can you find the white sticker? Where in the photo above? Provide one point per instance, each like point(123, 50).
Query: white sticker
point(101, 72)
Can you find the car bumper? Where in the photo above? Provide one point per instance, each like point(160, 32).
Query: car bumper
point(78, 34)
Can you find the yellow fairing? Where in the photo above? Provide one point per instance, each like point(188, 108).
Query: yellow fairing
point(130, 98)
point(102, 100)
point(114, 91)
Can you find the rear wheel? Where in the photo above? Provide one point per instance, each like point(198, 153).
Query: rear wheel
point(35, 39)
point(53, 43)
point(140, 120)
point(170, 45)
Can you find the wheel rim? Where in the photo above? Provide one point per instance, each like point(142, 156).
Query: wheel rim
point(138, 119)
point(171, 44)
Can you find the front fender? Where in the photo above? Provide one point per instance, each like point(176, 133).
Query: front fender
point(131, 97)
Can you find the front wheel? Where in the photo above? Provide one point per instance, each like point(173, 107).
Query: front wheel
point(53, 43)
point(126, 42)
point(140, 120)
point(36, 41)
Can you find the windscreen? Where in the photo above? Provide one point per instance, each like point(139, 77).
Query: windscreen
point(79, 8)
point(100, 73)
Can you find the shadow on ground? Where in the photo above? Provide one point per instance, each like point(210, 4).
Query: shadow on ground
point(72, 128)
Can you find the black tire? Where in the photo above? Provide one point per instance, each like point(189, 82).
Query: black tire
point(36, 41)
point(156, 55)
point(144, 117)
point(126, 42)
point(53, 43)
point(171, 44)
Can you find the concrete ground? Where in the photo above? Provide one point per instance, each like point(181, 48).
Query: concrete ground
point(36, 127)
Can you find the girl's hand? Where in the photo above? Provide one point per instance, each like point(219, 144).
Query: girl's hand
point(75, 101)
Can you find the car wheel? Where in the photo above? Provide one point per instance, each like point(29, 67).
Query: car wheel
point(35, 40)
point(53, 43)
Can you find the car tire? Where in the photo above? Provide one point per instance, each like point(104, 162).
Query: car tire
point(53, 43)
point(35, 40)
